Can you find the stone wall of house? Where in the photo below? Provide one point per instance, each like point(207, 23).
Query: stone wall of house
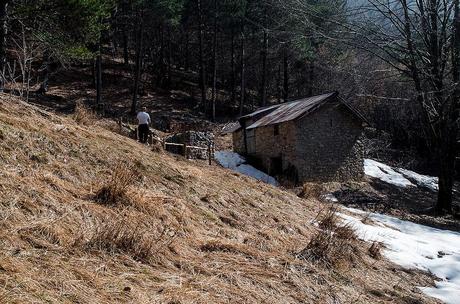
point(269, 146)
point(238, 138)
point(322, 146)
point(238, 142)
point(328, 145)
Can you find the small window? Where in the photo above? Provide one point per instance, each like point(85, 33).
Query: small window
point(276, 130)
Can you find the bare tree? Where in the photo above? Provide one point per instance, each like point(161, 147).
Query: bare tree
point(201, 55)
point(420, 40)
point(25, 52)
point(139, 54)
point(3, 33)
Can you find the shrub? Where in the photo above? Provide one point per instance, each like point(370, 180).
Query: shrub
point(115, 190)
point(311, 190)
point(375, 250)
point(334, 245)
point(84, 115)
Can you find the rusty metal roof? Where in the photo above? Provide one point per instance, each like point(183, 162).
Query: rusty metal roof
point(261, 111)
point(231, 127)
point(289, 111)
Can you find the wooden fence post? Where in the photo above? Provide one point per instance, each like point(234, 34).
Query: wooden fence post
point(209, 154)
point(150, 139)
point(185, 150)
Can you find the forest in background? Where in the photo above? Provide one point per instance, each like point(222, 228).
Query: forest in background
point(397, 61)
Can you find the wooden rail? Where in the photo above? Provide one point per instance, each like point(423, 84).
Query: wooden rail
point(151, 139)
point(185, 148)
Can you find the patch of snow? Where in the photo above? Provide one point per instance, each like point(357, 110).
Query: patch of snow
point(228, 159)
point(398, 176)
point(429, 182)
point(416, 246)
point(236, 162)
point(330, 197)
point(385, 173)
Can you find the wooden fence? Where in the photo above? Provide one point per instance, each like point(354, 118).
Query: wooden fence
point(185, 148)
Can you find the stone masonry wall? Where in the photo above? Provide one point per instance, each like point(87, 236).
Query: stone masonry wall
point(268, 145)
point(323, 146)
point(238, 142)
point(328, 145)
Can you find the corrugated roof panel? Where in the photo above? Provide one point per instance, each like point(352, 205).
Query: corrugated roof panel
point(231, 127)
point(292, 110)
point(260, 111)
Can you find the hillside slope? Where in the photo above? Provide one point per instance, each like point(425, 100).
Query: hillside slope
point(184, 232)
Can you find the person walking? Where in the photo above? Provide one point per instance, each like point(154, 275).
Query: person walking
point(143, 128)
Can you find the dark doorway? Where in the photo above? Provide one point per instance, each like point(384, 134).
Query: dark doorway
point(276, 166)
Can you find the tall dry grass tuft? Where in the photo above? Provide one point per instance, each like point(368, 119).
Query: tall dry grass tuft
point(333, 245)
point(116, 188)
point(375, 251)
point(123, 235)
point(84, 115)
point(311, 190)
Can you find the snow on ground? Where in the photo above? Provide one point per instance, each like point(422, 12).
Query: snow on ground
point(236, 162)
point(398, 176)
point(228, 159)
point(385, 173)
point(421, 180)
point(416, 246)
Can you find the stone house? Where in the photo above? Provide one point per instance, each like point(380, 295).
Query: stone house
point(311, 139)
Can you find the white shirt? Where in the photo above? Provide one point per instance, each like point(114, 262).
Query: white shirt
point(143, 118)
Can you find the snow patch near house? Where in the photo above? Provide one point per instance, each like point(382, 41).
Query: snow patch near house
point(398, 176)
point(236, 162)
point(416, 246)
point(330, 198)
point(385, 173)
point(228, 159)
point(425, 181)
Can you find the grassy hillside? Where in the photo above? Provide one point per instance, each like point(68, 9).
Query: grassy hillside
point(175, 232)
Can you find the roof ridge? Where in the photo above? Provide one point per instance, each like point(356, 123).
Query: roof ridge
point(291, 110)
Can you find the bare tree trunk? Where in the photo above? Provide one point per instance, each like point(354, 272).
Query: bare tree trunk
point(243, 69)
point(161, 60)
point(214, 64)
point(99, 75)
point(311, 76)
point(449, 128)
point(278, 84)
point(125, 48)
point(3, 33)
point(233, 70)
point(201, 59)
point(46, 71)
point(286, 76)
point(168, 79)
point(138, 68)
point(187, 51)
point(263, 89)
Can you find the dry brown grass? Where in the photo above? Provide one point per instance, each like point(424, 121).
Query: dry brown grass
point(84, 115)
point(184, 232)
point(375, 250)
point(126, 235)
point(311, 190)
point(334, 244)
point(114, 191)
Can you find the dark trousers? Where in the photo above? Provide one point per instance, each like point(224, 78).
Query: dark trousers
point(143, 133)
